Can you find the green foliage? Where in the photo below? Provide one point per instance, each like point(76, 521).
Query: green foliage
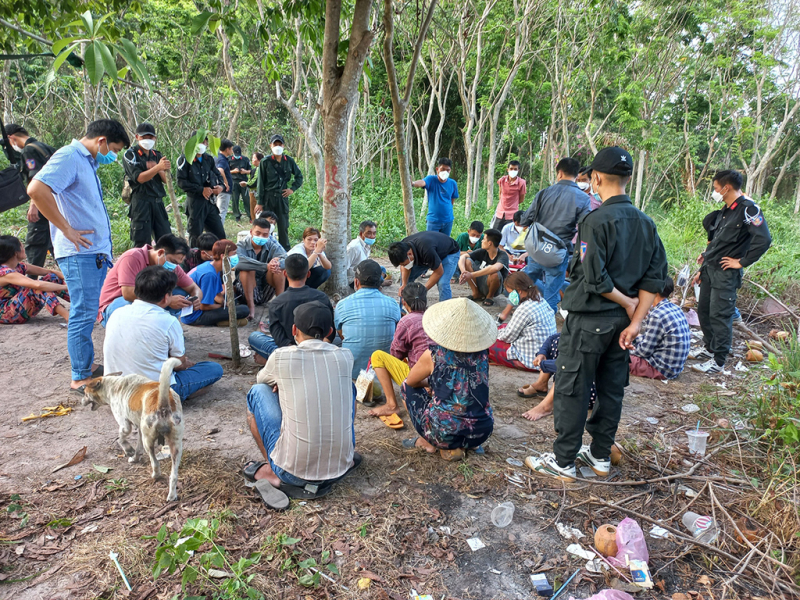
point(16, 510)
point(778, 401)
point(283, 550)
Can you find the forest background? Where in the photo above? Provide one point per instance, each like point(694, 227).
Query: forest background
point(688, 88)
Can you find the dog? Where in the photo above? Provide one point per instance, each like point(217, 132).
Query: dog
point(153, 407)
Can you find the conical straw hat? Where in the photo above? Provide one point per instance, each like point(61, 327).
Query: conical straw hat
point(460, 325)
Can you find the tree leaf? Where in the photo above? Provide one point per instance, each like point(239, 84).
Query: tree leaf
point(332, 568)
point(99, 24)
point(101, 468)
point(94, 64)
point(59, 45)
point(190, 149)
point(213, 145)
point(109, 63)
point(88, 22)
point(200, 21)
point(62, 57)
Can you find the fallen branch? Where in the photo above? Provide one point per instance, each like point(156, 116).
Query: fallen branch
point(774, 297)
point(752, 334)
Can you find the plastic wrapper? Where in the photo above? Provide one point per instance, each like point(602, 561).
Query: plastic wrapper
point(631, 544)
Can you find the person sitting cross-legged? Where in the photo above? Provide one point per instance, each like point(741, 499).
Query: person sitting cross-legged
point(485, 269)
point(410, 341)
point(301, 413)
point(366, 320)
point(281, 309)
point(259, 267)
point(313, 248)
point(141, 336)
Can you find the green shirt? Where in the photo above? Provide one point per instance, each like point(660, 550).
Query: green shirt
point(617, 247)
point(463, 242)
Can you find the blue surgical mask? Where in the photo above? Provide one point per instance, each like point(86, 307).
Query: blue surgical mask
point(513, 298)
point(170, 266)
point(260, 241)
point(234, 260)
point(108, 158)
point(369, 241)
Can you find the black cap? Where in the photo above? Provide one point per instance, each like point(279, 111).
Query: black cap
point(14, 129)
point(237, 149)
point(313, 319)
point(145, 128)
point(369, 273)
point(276, 138)
point(613, 161)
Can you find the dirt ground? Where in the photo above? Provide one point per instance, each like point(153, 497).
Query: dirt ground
point(401, 521)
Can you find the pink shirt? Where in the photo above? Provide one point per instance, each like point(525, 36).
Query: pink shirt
point(124, 273)
point(511, 195)
point(410, 340)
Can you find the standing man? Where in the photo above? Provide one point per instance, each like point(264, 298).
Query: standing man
point(274, 190)
point(737, 237)
point(442, 194)
point(34, 156)
point(512, 195)
point(240, 169)
point(67, 191)
point(617, 269)
point(558, 208)
point(147, 170)
point(224, 168)
point(200, 180)
point(422, 251)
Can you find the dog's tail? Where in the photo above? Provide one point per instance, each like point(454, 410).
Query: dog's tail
point(164, 381)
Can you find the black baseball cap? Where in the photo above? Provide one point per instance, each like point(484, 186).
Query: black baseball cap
point(314, 319)
point(613, 161)
point(145, 128)
point(369, 273)
point(237, 149)
point(276, 138)
point(14, 129)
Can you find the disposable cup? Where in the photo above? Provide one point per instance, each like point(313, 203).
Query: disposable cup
point(697, 441)
point(502, 514)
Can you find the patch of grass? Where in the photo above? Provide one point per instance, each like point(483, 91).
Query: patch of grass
point(56, 523)
point(467, 472)
point(16, 510)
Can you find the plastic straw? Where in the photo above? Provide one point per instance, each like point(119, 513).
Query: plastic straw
point(698, 425)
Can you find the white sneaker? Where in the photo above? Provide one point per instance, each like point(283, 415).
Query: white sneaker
point(709, 367)
point(601, 467)
point(700, 354)
point(547, 465)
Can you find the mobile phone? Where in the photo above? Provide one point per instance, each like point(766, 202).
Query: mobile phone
point(191, 298)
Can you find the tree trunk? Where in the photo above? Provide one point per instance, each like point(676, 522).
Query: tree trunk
point(230, 300)
point(174, 203)
point(640, 177)
point(797, 198)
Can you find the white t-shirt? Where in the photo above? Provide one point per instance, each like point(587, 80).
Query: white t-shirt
point(357, 252)
point(301, 249)
point(139, 338)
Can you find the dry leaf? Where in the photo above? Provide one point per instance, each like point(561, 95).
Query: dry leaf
point(364, 583)
point(704, 580)
point(79, 456)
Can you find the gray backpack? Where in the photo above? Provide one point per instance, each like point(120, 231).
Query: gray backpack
point(543, 246)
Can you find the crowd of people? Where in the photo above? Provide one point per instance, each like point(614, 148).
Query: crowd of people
point(581, 247)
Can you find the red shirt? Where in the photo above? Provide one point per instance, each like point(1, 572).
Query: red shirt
point(124, 273)
point(512, 193)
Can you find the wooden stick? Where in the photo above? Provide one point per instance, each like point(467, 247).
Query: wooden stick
point(774, 297)
point(233, 324)
point(174, 202)
point(758, 338)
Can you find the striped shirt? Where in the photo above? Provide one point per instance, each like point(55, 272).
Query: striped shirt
point(530, 325)
point(316, 396)
point(666, 340)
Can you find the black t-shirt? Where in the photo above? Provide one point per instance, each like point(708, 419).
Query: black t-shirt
point(430, 247)
point(281, 311)
point(481, 260)
point(136, 161)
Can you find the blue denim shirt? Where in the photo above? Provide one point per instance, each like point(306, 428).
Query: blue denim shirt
point(71, 173)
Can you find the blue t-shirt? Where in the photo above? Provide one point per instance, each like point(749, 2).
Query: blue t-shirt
point(209, 282)
point(440, 199)
point(221, 162)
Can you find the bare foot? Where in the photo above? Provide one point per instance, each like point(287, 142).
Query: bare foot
point(426, 445)
point(260, 360)
point(266, 472)
point(384, 411)
point(538, 412)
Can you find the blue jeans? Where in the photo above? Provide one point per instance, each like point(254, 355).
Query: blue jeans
point(265, 406)
point(118, 302)
point(84, 275)
point(195, 378)
point(548, 279)
point(444, 228)
point(262, 343)
point(449, 264)
point(318, 276)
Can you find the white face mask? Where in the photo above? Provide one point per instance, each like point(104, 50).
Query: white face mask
point(513, 174)
point(716, 196)
point(147, 144)
point(444, 175)
point(584, 185)
point(15, 147)
point(201, 148)
point(519, 228)
point(473, 240)
point(277, 150)
point(409, 266)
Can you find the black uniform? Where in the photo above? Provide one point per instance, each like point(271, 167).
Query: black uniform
point(618, 247)
point(273, 178)
point(37, 241)
point(147, 213)
point(737, 231)
point(203, 213)
point(240, 191)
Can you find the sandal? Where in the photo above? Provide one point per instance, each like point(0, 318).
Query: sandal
point(450, 455)
point(392, 421)
point(308, 492)
point(271, 496)
point(474, 299)
point(536, 393)
point(488, 302)
point(78, 390)
point(250, 469)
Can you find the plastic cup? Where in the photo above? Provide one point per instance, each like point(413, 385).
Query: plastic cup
point(697, 441)
point(502, 514)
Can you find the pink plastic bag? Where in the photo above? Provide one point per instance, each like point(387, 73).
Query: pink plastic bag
point(630, 543)
point(608, 595)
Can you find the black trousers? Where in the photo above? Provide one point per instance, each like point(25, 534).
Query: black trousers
point(237, 193)
point(588, 352)
point(715, 308)
point(219, 315)
point(149, 220)
point(275, 202)
point(203, 216)
point(37, 241)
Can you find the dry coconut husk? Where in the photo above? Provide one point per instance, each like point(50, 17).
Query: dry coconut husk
point(754, 355)
point(754, 345)
point(776, 334)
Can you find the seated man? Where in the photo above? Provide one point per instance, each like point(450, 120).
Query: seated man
point(359, 249)
point(119, 286)
point(301, 413)
point(468, 241)
point(259, 266)
point(426, 250)
point(142, 335)
point(367, 319)
point(485, 269)
point(281, 310)
point(197, 256)
point(510, 233)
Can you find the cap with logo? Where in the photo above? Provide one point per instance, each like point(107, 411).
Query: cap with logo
point(276, 138)
point(313, 319)
point(145, 128)
point(613, 161)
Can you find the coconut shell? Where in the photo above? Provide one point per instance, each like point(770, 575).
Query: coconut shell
point(616, 455)
point(755, 345)
point(754, 355)
point(778, 334)
point(605, 540)
point(749, 529)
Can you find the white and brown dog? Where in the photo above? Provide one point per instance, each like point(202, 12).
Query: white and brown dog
point(153, 407)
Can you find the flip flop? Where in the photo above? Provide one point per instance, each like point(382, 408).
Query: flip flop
point(411, 444)
point(98, 372)
point(392, 421)
point(271, 496)
point(78, 390)
point(481, 299)
point(536, 393)
point(488, 302)
point(250, 469)
point(309, 492)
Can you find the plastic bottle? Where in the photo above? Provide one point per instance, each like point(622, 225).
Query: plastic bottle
point(704, 528)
